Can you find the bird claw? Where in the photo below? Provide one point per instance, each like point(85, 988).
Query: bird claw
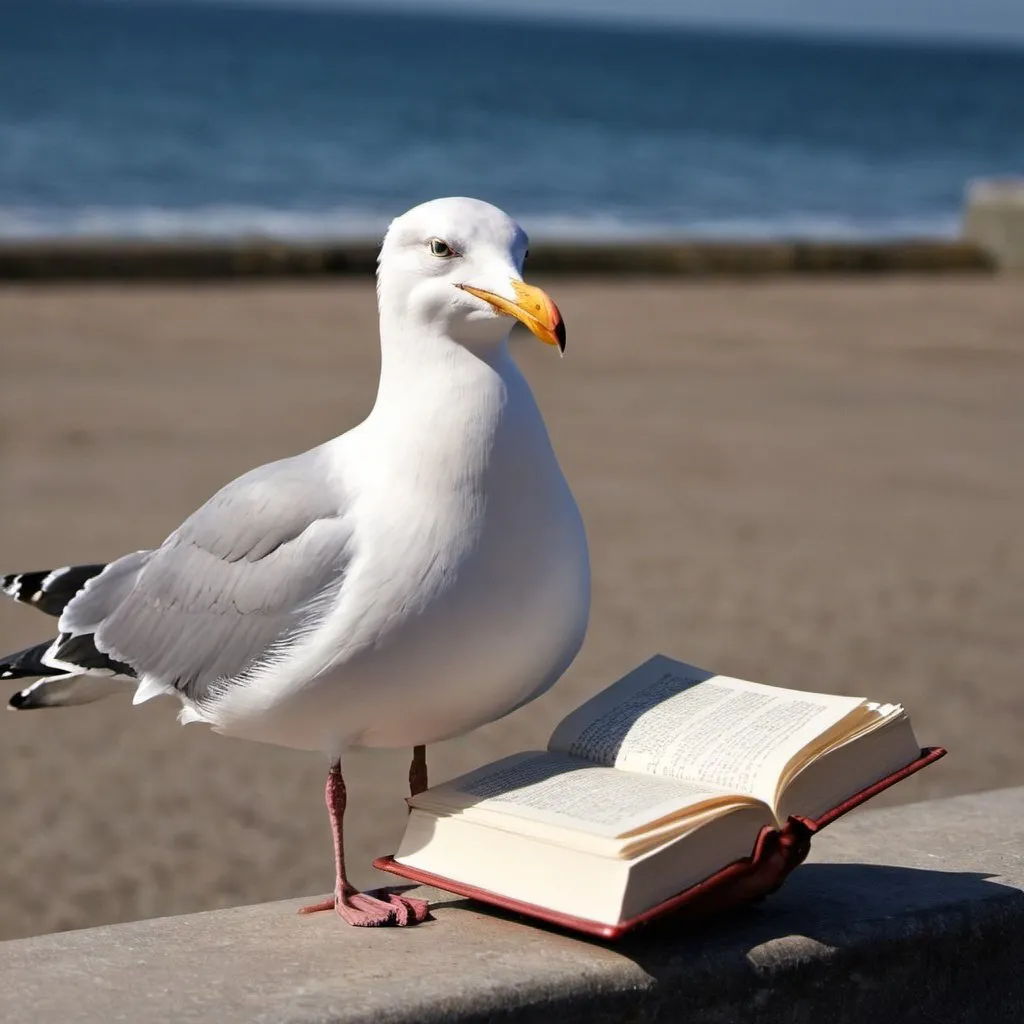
point(363, 910)
point(408, 909)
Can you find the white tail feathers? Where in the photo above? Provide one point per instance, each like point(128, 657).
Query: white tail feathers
point(149, 688)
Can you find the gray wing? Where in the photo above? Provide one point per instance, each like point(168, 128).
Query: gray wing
point(242, 578)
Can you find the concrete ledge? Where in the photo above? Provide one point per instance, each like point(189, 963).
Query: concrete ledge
point(912, 914)
point(96, 260)
point(994, 220)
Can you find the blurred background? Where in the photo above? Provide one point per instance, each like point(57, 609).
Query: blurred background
point(146, 118)
point(815, 483)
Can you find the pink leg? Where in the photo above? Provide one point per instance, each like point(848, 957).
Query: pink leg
point(419, 909)
point(354, 907)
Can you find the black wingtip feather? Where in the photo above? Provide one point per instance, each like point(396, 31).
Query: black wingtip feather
point(49, 590)
point(28, 664)
point(81, 651)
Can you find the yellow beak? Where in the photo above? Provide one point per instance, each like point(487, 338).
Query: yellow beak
point(532, 308)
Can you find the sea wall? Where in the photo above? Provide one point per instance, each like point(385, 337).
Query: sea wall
point(912, 914)
point(992, 240)
point(97, 260)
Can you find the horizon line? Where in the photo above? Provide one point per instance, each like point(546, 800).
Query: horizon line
point(1003, 41)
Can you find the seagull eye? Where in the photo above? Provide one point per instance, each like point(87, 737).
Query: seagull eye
point(440, 248)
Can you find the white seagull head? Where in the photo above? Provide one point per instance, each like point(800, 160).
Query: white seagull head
point(453, 268)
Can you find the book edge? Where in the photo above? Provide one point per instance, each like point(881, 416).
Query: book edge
point(792, 843)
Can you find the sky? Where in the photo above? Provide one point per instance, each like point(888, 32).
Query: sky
point(1000, 20)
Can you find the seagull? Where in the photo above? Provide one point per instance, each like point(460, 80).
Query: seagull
point(422, 574)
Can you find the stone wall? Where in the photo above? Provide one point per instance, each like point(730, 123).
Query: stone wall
point(912, 914)
point(95, 260)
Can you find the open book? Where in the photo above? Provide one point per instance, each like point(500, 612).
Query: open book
point(650, 787)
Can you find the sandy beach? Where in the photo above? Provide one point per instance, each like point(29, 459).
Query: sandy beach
point(817, 484)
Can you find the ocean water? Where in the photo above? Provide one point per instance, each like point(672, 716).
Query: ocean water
point(158, 119)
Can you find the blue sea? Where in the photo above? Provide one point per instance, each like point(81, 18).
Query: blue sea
point(199, 119)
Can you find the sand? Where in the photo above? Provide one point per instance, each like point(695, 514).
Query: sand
point(809, 483)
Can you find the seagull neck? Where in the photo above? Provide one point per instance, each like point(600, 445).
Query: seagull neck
point(425, 367)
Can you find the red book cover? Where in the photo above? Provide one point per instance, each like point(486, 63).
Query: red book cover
point(776, 853)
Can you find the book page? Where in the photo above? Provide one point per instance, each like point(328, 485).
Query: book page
point(845, 770)
point(566, 792)
point(668, 719)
